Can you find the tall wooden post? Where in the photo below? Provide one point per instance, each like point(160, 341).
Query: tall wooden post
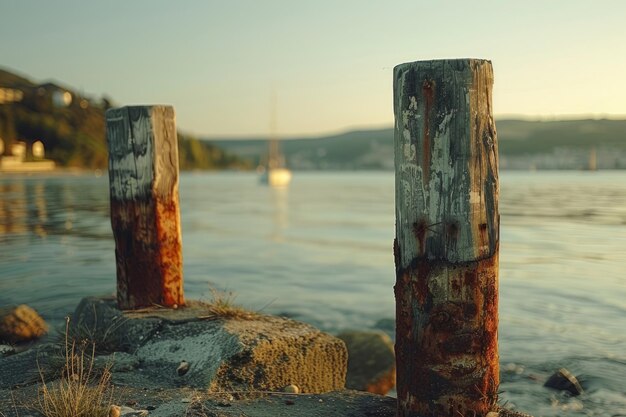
point(143, 176)
point(447, 235)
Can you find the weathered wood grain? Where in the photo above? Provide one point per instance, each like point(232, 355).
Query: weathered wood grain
point(447, 236)
point(145, 216)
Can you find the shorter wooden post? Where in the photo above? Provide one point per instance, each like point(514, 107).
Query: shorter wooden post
point(145, 216)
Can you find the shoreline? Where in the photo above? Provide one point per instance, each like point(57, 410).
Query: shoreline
point(157, 375)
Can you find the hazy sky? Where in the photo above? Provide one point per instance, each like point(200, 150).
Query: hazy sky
point(329, 61)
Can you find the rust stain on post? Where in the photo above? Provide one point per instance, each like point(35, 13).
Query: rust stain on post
point(447, 346)
point(447, 238)
point(168, 234)
point(145, 216)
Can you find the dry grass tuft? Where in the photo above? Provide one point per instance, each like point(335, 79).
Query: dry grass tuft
point(196, 408)
point(82, 391)
point(222, 305)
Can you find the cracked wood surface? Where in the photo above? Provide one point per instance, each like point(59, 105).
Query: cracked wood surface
point(145, 215)
point(447, 237)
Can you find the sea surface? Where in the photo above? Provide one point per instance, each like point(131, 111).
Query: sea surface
point(321, 252)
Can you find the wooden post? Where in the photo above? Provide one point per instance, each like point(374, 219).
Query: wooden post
point(145, 217)
point(447, 236)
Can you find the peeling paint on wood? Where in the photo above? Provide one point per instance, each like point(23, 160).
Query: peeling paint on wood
point(145, 216)
point(447, 237)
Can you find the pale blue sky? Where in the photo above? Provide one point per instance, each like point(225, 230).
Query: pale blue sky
point(330, 61)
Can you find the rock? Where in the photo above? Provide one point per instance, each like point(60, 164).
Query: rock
point(115, 411)
point(6, 350)
point(564, 380)
point(98, 320)
point(371, 361)
point(21, 324)
point(262, 353)
point(117, 362)
point(291, 389)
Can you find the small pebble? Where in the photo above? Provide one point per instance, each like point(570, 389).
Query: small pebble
point(114, 411)
point(131, 412)
point(183, 368)
point(292, 389)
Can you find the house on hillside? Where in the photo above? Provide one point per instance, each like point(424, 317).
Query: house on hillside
point(10, 95)
point(17, 160)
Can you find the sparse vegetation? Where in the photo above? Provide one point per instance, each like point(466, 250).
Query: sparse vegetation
point(82, 390)
point(198, 154)
point(102, 341)
point(222, 305)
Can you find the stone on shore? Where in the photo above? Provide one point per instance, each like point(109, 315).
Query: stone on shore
point(564, 380)
point(371, 361)
point(189, 347)
point(21, 324)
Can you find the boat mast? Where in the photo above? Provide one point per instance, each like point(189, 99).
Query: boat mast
point(274, 159)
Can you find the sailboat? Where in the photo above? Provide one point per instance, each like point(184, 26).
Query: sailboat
point(275, 173)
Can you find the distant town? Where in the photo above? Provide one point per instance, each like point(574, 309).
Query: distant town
point(523, 145)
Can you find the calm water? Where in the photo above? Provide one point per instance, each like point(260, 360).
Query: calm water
point(321, 252)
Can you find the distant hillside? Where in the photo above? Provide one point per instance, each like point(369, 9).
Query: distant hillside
point(523, 145)
point(71, 127)
point(365, 149)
